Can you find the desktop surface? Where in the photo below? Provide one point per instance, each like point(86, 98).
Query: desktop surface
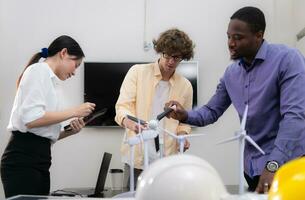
point(36, 197)
point(82, 192)
point(232, 189)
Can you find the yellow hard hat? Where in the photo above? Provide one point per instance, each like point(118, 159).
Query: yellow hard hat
point(289, 181)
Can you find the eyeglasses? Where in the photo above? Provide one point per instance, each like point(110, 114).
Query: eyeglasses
point(175, 58)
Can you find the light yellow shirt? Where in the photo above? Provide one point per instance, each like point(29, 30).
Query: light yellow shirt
point(136, 96)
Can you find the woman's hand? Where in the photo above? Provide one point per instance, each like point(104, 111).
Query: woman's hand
point(76, 125)
point(84, 109)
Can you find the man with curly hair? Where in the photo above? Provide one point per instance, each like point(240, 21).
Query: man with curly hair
point(145, 90)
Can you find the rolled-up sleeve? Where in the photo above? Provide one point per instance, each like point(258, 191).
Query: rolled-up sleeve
point(33, 102)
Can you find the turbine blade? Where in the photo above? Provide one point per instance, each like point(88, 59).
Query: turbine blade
point(228, 140)
point(194, 135)
point(169, 133)
point(164, 113)
point(137, 120)
point(250, 140)
point(244, 119)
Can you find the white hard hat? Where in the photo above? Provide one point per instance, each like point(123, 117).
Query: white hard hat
point(180, 177)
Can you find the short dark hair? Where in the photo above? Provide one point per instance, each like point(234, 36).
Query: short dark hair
point(252, 16)
point(175, 41)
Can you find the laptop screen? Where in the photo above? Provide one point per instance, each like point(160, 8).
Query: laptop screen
point(101, 179)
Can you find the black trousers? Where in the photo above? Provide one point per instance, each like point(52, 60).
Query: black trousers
point(25, 165)
point(252, 182)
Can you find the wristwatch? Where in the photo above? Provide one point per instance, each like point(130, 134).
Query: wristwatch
point(272, 166)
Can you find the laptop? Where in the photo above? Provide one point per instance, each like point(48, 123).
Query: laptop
point(98, 191)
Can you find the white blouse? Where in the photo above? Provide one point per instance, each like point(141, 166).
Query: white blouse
point(36, 94)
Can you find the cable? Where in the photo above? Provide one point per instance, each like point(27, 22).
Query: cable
point(65, 193)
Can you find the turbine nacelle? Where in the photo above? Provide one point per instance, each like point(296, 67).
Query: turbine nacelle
point(141, 137)
point(153, 124)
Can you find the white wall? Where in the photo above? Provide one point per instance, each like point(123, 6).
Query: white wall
point(299, 16)
point(112, 30)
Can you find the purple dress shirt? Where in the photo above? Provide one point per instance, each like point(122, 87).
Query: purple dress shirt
point(274, 88)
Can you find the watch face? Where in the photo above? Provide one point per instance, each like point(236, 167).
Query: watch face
point(272, 166)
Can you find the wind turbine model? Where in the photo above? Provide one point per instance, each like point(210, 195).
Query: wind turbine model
point(181, 138)
point(151, 133)
point(152, 125)
point(241, 135)
point(141, 137)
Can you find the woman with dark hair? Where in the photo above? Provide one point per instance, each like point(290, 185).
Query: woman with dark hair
point(35, 118)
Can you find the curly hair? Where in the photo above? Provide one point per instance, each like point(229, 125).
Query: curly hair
point(175, 42)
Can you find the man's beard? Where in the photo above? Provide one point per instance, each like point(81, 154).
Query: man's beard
point(235, 58)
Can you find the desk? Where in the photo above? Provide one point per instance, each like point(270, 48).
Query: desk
point(87, 192)
point(108, 193)
point(35, 197)
point(247, 196)
point(233, 189)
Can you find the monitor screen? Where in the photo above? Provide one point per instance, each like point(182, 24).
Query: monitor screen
point(102, 83)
